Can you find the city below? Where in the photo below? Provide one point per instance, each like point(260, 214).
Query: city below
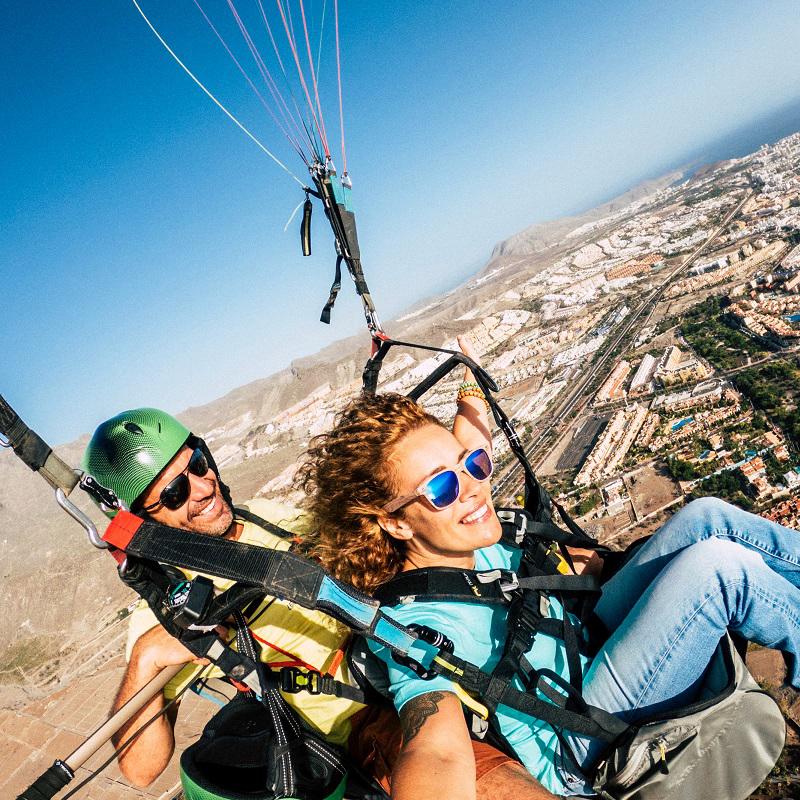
point(653, 362)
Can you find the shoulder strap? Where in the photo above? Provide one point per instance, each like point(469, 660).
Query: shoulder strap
point(279, 573)
point(445, 584)
point(246, 514)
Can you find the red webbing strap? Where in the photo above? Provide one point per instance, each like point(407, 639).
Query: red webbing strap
point(122, 529)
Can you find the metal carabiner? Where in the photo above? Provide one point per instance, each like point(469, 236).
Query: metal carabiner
point(81, 519)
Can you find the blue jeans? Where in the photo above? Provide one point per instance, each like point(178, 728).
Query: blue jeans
point(712, 567)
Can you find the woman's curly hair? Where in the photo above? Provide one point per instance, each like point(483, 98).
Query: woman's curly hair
point(347, 477)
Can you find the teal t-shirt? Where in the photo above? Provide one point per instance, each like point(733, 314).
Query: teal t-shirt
point(478, 633)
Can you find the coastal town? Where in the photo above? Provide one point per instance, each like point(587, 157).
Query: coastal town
point(639, 365)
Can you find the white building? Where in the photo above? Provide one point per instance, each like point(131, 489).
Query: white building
point(641, 380)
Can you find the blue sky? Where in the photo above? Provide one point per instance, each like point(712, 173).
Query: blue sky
point(142, 250)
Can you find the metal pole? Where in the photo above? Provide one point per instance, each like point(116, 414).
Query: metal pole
point(96, 740)
point(56, 777)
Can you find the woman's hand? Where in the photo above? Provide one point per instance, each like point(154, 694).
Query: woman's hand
point(437, 760)
point(471, 424)
point(465, 346)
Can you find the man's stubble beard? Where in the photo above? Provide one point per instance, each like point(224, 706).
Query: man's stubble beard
point(219, 527)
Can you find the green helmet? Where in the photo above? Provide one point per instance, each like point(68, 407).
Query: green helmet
point(127, 452)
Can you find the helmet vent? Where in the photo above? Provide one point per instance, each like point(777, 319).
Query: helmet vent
point(132, 427)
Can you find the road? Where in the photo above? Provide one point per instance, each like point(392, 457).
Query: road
point(554, 421)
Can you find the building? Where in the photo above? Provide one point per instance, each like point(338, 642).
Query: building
point(641, 382)
point(651, 260)
point(578, 352)
point(753, 469)
point(792, 284)
point(612, 388)
point(791, 479)
point(786, 513)
point(709, 266)
point(716, 441)
point(770, 328)
point(792, 259)
point(702, 395)
point(627, 270)
point(615, 496)
point(613, 444)
point(678, 367)
point(781, 453)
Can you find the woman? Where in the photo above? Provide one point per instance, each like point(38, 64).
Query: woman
point(391, 490)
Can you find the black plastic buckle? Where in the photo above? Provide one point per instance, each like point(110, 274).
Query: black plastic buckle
point(430, 636)
point(190, 601)
point(529, 615)
point(294, 680)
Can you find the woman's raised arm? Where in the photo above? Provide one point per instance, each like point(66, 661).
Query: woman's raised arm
point(471, 426)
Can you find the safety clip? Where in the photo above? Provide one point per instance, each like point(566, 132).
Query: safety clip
point(294, 680)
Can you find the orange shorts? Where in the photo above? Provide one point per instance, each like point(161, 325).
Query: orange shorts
point(376, 740)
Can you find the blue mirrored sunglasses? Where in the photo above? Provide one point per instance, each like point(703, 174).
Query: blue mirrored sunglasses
point(442, 489)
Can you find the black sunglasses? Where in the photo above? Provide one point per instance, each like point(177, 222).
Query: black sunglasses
point(177, 491)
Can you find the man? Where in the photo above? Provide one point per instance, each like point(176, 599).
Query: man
point(154, 464)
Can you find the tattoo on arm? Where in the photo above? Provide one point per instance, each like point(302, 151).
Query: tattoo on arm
point(416, 711)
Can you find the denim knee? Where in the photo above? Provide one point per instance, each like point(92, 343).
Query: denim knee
point(707, 509)
point(714, 564)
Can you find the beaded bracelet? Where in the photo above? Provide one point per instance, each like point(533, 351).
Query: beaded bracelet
point(470, 389)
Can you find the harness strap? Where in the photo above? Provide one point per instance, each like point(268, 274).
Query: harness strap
point(369, 377)
point(278, 573)
point(444, 584)
point(325, 316)
point(305, 226)
point(34, 451)
point(247, 515)
point(588, 721)
point(561, 583)
point(437, 584)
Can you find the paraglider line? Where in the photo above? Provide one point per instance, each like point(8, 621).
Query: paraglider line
point(321, 32)
point(214, 99)
point(292, 140)
point(293, 47)
point(280, 63)
point(339, 76)
point(292, 216)
point(266, 76)
point(323, 132)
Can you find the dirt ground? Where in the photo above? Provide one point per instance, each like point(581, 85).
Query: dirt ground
point(651, 488)
point(610, 529)
point(783, 783)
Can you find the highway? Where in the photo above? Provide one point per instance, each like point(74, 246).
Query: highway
point(553, 421)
